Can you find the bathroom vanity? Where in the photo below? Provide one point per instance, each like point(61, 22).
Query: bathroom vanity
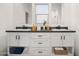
point(42, 43)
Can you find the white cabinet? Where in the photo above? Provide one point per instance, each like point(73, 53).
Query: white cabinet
point(18, 39)
point(40, 51)
point(13, 39)
point(41, 43)
point(55, 39)
point(68, 39)
point(62, 39)
point(23, 40)
point(40, 40)
point(40, 35)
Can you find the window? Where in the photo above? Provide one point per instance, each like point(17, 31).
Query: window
point(41, 13)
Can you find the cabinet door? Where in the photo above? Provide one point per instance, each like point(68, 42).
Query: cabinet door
point(56, 39)
point(68, 39)
point(24, 40)
point(12, 39)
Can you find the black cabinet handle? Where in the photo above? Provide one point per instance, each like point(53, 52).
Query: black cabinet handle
point(64, 37)
point(40, 51)
point(16, 37)
point(39, 35)
point(61, 37)
point(40, 43)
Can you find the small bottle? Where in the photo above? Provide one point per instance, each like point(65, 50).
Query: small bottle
point(47, 27)
point(44, 27)
point(34, 28)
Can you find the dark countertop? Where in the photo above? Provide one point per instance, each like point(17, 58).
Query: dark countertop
point(40, 31)
point(28, 29)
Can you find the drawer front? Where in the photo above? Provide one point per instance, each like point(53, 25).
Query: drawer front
point(40, 35)
point(40, 51)
point(57, 35)
point(40, 43)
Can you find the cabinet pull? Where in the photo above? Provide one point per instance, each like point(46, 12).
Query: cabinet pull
point(16, 37)
point(40, 52)
point(39, 35)
point(40, 43)
point(61, 37)
point(64, 37)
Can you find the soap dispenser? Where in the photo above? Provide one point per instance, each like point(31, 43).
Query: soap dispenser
point(44, 27)
point(34, 28)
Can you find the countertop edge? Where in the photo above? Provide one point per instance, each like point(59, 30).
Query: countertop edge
point(38, 31)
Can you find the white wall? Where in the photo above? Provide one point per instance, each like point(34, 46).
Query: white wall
point(76, 16)
point(18, 14)
point(6, 22)
point(19, 10)
point(70, 17)
point(55, 14)
point(28, 8)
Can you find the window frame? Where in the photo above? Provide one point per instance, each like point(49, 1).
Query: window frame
point(41, 14)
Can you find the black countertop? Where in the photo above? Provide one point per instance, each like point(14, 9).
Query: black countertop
point(28, 29)
point(40, 31)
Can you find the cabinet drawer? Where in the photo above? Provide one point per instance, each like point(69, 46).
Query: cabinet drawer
point(40, 43)
point(57, 35)
point(40, 51)
point(40, 35)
